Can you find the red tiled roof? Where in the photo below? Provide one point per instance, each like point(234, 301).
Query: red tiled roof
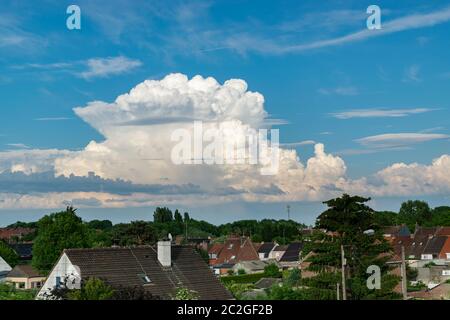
point(8, 233)
point(236, 249)
point(443, 231)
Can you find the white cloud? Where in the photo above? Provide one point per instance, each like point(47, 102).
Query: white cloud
point(399, 139)
point(379, 113)
point(298, 144)
point(18, 145)
point(104, 67)
point(138, 150)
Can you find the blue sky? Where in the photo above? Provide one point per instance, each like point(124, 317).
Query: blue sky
point(372, 100)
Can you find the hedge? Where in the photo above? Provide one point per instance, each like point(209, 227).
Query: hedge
point(245, 278)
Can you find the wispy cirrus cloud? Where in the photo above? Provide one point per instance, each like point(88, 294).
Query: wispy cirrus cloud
point(379, 113)
point(341, 91)
point(52, 119)
point(298, 144)
point(87, 69)
point(412, 74)
point(389, 140)
point(18, 145)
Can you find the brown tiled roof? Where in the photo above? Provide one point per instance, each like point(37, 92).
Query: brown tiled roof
point(24, 271)
point(425, 231)
point(443, 231)
point(8, 233)
point(417, 246)
point(125, 267)
point(247, 252)
point(216, 248)
point(229, 251)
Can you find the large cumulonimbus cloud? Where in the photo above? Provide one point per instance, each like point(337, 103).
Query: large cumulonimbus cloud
point(137, 129)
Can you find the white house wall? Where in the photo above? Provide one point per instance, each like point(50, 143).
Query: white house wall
point(62, 269)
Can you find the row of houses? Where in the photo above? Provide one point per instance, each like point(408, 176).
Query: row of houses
point(241, 253)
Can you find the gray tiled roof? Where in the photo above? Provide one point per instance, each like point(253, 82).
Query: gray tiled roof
point(125, 267)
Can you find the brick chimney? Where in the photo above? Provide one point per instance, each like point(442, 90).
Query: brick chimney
point(165, 252)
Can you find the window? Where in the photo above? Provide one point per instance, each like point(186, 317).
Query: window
point(144, 278)
point(427, 257)
point(21, 285)
point(58, 282)
point(446, 272)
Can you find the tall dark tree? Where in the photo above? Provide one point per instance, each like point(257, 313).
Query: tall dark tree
point(347, 222)
point(57, 232)
point(177, 216)
point(162, 215)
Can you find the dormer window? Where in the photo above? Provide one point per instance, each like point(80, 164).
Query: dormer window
point(144, 278)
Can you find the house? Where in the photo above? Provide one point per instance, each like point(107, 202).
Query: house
point(426, 231)
point(291, 257)
point(391, 232)
point(11, 234)
point(433, 247)
point(25, 277)
point(433, 275)
point(443, 231)
point(159, 270)
point(255, 266)
point(277, 252)
point(5, 268)
point(445, 251)
point(23, 250)
point(214, 251)
point(236, 250)
point(439, 292)
point(265, 249)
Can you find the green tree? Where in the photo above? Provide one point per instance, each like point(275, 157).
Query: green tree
point(386, 218)
point(415, 212)
point(347, 221)
point(8, 254)
point(272, 271)
point(58, 231)
point(178, 218)
point(9, 292)
point(134, 233)
point(162, 215)
point(92, 289)
point(185, 294)
point(102, 225)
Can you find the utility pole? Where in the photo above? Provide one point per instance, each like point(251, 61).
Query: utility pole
point(288, 207)
point(344, 289)
point(337, 291)
point(404, 278)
